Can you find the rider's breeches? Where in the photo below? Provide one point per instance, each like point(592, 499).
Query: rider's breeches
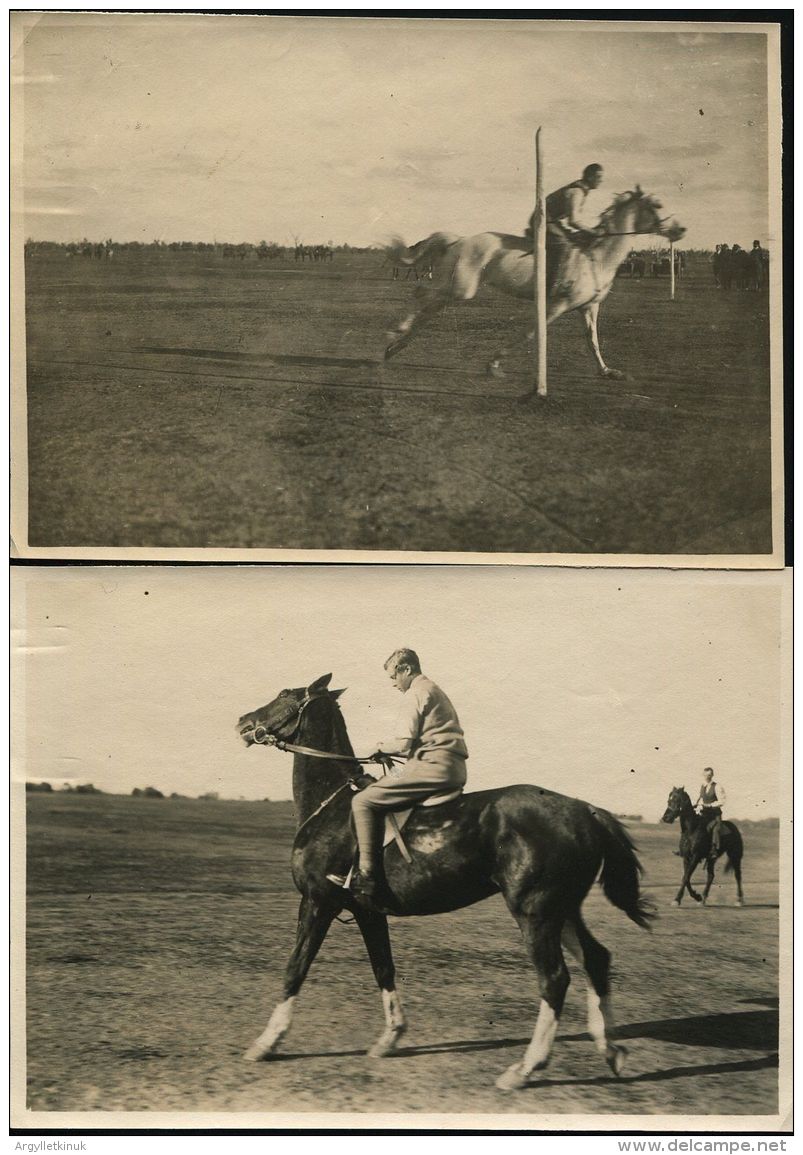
point(426, 773)
point(714, 827)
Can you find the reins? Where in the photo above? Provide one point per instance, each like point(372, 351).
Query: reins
point(263, 737)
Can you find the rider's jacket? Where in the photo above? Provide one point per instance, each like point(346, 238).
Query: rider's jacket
point(712, 796)
point(564, 204)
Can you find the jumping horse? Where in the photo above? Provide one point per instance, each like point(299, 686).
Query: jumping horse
point(696, 846)
point(582, 280)
point(542, 850)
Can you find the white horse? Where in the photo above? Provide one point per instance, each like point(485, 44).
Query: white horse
point(582, 279)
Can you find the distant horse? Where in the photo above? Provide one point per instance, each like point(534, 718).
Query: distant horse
point(540, 849)
point(695, 845)
point(582, 280)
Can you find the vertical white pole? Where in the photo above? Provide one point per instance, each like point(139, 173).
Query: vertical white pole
point(539, 278)
point(671, 270)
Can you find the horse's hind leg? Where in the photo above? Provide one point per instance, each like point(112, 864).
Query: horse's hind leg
point(736, 863)
point(374, 929)
point(456, 279)
point(596, 962)
point(313, 923)
point(542, 939)
point(430, 303)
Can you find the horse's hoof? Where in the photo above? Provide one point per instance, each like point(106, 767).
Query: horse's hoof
point(496, 371)
point(386, 1043)
point(513, 1079)
point(675, 902)
point(613, 375)
point(395, 344)
point(697, 898)
point(256, 1054)
point(616, 1059)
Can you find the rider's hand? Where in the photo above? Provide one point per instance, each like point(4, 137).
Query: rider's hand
point(364, 780)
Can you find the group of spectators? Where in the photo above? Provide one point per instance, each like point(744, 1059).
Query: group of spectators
point(735, 268)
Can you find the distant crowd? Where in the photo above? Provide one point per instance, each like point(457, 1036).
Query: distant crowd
point(735, 268)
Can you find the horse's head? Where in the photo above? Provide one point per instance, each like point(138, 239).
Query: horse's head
point(281, 719)
point(640, 214)
point(674, 805)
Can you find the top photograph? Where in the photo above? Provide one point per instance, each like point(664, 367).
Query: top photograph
point(333, 288)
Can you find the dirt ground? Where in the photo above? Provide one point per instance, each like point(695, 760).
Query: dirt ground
point(185, 400)
point(158, 932)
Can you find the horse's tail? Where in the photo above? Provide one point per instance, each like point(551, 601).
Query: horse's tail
point(621, 871)
point(430, 248)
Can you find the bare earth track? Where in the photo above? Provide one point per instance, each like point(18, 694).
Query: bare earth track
point(183, 400)
point(158, 932)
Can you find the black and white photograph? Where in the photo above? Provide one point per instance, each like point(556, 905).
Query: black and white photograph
point(397, 288)
point(402, 847)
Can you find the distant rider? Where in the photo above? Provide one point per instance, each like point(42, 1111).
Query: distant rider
point(709, 804)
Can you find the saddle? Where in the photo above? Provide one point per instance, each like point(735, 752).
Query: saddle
point(395, 822)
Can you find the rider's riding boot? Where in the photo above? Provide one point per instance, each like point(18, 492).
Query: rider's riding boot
point(372, 891)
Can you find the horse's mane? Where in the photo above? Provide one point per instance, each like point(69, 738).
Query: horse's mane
point(628, 197)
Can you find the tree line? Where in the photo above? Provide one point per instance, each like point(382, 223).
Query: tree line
point(137, 792)
point(107, 248)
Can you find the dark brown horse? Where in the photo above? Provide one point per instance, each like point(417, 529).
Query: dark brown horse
point(540, 849)
point(696, 843)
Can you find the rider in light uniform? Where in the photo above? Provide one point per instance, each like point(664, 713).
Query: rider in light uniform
point(564, 229)
point(431, 738)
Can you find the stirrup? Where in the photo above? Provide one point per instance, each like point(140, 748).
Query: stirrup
point(376, 896)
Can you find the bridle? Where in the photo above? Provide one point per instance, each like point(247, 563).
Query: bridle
point(659, 231)
point(263, 737)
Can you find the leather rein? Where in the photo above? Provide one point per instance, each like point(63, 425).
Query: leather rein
point(263, 737)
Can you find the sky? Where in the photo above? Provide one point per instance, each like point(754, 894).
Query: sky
point(607, 685)
point(243, 128)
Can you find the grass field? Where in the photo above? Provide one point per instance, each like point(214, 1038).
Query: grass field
point(184, 400)
point(158, 932)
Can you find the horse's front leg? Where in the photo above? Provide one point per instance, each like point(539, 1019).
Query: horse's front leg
point(590, 314)
point(374, 929)
point(314, 921)
point(688, 870)
point(709, 868)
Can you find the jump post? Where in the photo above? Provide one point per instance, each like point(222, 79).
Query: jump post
point(539, 278)
point(671, 270)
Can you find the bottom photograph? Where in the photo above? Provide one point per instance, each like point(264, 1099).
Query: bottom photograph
point(398, 847)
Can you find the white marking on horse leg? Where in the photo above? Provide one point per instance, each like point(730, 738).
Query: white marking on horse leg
point(600, 1026)
point(600, 1019)
point(546, 1026)
point(537, 1054)
point(394, 1011)
point(395, 1026)
point(278, 1026)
